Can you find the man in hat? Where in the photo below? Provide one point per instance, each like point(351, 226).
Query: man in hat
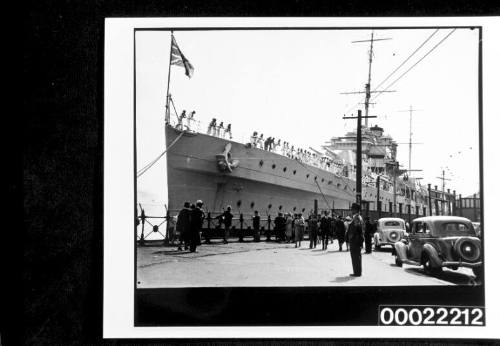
point(355, 238)
point(183, 225)
point(227, 218)
point(197, 217)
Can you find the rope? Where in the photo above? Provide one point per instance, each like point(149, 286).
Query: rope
point(149, 165)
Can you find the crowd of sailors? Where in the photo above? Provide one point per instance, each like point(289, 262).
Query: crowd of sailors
point(291, 151)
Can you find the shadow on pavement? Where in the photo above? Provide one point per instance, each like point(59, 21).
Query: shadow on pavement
point(343, 278)
point(456, 278)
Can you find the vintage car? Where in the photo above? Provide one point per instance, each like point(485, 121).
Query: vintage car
point(389, 231)
point(441, 241)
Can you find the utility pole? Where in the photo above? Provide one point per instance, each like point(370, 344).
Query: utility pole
point(442, 178)
point(368, 90)
point(410, 143)
point(358, 154)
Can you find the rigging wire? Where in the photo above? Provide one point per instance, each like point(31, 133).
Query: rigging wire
point(149, 165)
point(397, 68)
point(422, 58)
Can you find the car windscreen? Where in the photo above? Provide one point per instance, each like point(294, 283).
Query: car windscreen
point(394, 224)
point(456, 228)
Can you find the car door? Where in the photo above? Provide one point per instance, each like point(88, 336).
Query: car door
point(419, 232)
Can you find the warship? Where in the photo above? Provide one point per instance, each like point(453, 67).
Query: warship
point(248, 176)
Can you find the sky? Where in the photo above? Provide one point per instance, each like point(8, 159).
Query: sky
point(288, 84)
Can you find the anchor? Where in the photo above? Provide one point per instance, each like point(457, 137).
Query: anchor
point(224, 161)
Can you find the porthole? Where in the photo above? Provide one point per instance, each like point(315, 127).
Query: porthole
point(322, 180)
point(303, 209)
point(338, 184)
point(280, 207)
point(238, 204)
point(315, 178)
point(252, 204)
point(294, 171)
point(269, 206)
point(284, 169)
point(294, 208)
point(261, 163)
point(329, 182)
point(273, 166)
point(307, 175)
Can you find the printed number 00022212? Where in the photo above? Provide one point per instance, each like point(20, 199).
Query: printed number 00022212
point(430, 315)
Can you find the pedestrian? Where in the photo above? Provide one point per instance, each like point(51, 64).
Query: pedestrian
point(368, 235)
point(324, 226)
point(340, 231)
point(227, 218)
point(355, 238)
point(279, 227)
point(197, 217)
point(347, 222)
point(182, 226)
point(288, 228)
point(300, 225)
point(256, 226)
point(313, 230)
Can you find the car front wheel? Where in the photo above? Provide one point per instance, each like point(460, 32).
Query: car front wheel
point(398, 261)
point(428, 268)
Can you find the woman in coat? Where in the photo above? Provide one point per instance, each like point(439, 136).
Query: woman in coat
point(288, 228)
point(300, 225)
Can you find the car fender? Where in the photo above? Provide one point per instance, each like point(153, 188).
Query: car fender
point(433, 255)
point(401, 250)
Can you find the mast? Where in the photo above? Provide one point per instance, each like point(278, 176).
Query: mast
point(368, 92)
point(167, 113)
point(410, 143)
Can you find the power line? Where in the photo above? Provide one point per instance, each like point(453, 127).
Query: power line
point(408, 58)
point(417, 62)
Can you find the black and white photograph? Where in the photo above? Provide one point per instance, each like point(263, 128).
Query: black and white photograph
point(304, 161)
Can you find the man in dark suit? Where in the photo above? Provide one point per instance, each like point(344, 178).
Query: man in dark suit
point(227, 219)
point(197, 216)
point(183, 225)
point(355, 238)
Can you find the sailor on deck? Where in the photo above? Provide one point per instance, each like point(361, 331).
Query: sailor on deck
point(227, 132)
point(260, 141)
point(254, 139)
point(220, 129)
point(211, 127)
point(190, 121)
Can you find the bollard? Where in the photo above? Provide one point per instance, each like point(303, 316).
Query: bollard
point(241, 228)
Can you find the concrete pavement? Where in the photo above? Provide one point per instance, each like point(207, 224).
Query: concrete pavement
point(273, 264)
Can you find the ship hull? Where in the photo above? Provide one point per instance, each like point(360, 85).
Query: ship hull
point(264, 181)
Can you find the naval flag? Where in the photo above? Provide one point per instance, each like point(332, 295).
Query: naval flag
point(177, 58)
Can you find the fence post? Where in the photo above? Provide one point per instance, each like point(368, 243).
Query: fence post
point(143, 219)
point(241, 228)
point(268, 234)
point(166, 241)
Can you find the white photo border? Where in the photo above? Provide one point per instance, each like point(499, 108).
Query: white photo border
point(119, 182)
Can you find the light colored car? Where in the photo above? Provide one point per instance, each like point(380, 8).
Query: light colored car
point(441, 241)
point(389, 231)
